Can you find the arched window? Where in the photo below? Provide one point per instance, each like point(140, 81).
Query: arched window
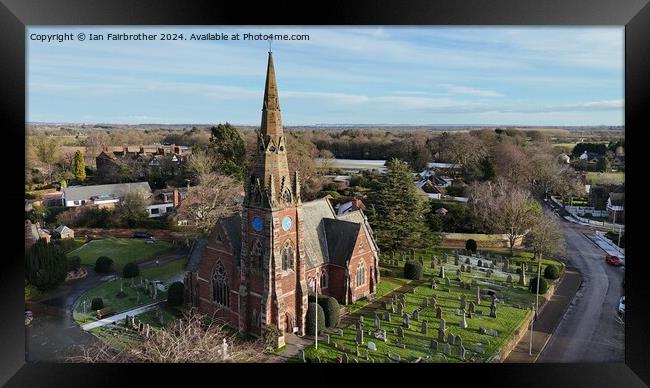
point(287, 256)
point(256, 255)
point(361, 274)
point(323, 280)
point(311, 283)
point(220, 289)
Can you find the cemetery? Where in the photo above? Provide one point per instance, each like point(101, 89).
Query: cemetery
point(123, 294)
point(120, 250)
point(450, 315)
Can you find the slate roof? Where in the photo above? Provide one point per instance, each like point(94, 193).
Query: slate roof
point(63, 229)
point(232, 226)
point(314, 213)
point(77, 193)
point(341, 237)
point(196, 254)
point(617, 199)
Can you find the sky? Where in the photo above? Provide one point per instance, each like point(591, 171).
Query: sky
point(371, 75)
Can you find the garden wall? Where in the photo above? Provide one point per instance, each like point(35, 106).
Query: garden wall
point(160, 234)
point(457, 240)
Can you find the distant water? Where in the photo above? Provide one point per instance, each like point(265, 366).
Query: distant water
point(353, 163)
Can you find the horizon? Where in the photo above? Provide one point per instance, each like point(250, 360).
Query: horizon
point(375, 76)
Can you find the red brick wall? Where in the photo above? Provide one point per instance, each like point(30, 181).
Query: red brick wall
point(362, 252)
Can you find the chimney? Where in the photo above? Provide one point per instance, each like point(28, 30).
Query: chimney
point(141, 149)
point(125, 149)
point(177, 198)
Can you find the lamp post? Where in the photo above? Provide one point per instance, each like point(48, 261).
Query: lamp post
point(539, 276)
point(530, 347)
point(316, 312)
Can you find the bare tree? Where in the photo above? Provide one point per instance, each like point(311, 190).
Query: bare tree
point(545, 238)
point(94, 143)
point(193, 338)
point(215, 196)
point(512, 163)
point(201, 162)
point(464, 149)
point(503, 208)
point(47, 151)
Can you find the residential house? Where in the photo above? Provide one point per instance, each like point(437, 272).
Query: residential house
point(165, 201)
point(616, 205)
point(143, 161)
point(101, 195)
point(345, 205)
point(62, 231)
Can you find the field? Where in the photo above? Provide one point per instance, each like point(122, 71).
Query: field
point(109, 291)
point(121, 250)
point(512, 310)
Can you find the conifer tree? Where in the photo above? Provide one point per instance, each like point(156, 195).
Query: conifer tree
point(79, 166)
point(45, 265)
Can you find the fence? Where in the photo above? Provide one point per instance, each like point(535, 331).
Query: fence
point(606, 225)
point(582, 210)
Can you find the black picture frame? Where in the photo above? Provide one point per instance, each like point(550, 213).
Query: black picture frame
point(15, 15)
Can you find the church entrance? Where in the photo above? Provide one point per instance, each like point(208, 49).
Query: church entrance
point(289, 323)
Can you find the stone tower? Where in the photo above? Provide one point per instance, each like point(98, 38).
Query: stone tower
point(273, 287)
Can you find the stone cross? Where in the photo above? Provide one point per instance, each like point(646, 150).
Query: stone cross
point(425, 327)
point(438, 313)
point(405, 320)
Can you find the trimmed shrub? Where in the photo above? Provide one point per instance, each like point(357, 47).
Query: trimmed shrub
point(413, 270)
point(104, 264)
point(131, 270)
point(271, 335)
point(471, 245)
point(543, 286)
point(97, 304)
point(551, 272)
point(175, 294)
point(74, 263)
point(312, 311)
point(332, 310)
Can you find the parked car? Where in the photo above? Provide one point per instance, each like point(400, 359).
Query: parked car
point(621, 306)
point(613, 260)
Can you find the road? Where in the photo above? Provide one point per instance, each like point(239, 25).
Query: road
point(591, 330)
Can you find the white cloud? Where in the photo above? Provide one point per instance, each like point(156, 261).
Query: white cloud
point(457, 89)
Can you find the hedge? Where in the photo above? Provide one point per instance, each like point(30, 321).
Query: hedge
point(413, 270)
point(175, 294)
point(103, 264)
point(312, 311)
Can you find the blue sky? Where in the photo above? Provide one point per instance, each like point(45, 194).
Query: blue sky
point(373, 75)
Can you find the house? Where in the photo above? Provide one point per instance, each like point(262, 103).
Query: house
point(344, 205)
point(62, 231)
point(165, 201)
point(52, 199)
point(109, 161)
point(450, 169)
point(598, 196)
point(101, 195)
point(257, 267)
point(616, 206)
point(442, 211)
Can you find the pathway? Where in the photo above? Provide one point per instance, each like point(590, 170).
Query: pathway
point(120, 316)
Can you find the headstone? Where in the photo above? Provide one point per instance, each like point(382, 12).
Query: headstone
point(450, 339)
point(446, 349)
point(463, 321)
point(461, 352)
point(442, 272)
point(441, 335)
point(438, 313)
point(456, 260)
point(472, 307)
point(361, 319)
point(357, 350)
point(225, 355)
point(478, 295)
point(478, 349)
point(433, 263)
point(509, 279)
point(367, 355)
point(387, 316)
point(493, 311)
point(400, 332)
point(506, 264)
point(434, 345)
point(377, 322)
point(406, 321)
point(462, 268)
point(359, 337)
point(434, 303)
point(447, 282)
point(416, 315)
point(434, 285)
point(327, 339)
point(392, 306)
point(301, 354)
point(485, 341)
point(463, 302)
point(425, 328)
point(467, 261)
point(372, 346)
point(489, 273)
point(522, 276)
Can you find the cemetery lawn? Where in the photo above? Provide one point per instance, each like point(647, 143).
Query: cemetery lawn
point(121, 250)
point(513, 308)
point(109, 291)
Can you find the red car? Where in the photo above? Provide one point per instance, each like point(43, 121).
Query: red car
point(613, 260)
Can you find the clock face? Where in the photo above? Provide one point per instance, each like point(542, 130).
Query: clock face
point(286, 223)
point(257, 224)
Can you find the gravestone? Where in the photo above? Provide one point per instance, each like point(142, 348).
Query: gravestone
point(392, 307)
point(377, 322)
point(462, 268)
point(456, 260)
point(425, 328)
point(463, 302)
point(327, 339)
point(433, 284)
point(493, 311)
point(359, 337)
point(509, 279)
point(446, 349)
point(472, 307)
point(361, 319)
point(400, 308)
point(467, 261)
point(481, 330)
point(406, 321)
point(434, 303)
point(442, 272)
point(506, 264)
point(443, 324)
point(400, 332)
point(425, 302)
point(434, 345)
point(301, 354)
point(522, 276)
point(372, 346)
point(478, 295)
point(463, 321)
point(461, 352)
point(447, 282)
point(450, 339)
point(387, 316)
point(357, 350)
point(433, 263)
point(478, 349)
point(458, 274)
point(421, 260)
point(438, 313)
point(458, 341)
point(485, 341)
point(367, 355)
point(416, 315)
point(441, 335)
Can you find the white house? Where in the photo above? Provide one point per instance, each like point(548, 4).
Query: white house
point(104, 195)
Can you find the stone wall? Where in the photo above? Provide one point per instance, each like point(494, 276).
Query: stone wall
point(160, 234)
point(483, 241)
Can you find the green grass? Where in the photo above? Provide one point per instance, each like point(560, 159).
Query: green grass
point(510, 314)
point(121, 250)
point(606, 178)
point(108, 291)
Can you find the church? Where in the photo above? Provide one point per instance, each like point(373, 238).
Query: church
point(256, 268)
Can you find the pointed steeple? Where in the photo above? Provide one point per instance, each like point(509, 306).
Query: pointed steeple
point(271, 119)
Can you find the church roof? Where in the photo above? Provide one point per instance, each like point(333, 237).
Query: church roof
point(315, 235)
point(341, 238)
point(196, 253)
point(232, 226)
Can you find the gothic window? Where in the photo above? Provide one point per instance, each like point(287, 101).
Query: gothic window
point(256, 255)
point(286, 195)
point(287, 256)
point(361, 274)
point(323, 280)
point(220, 289)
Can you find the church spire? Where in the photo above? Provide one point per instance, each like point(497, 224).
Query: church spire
point(271, 119)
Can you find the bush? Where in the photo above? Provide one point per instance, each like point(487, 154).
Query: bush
point(332, 310)
point(471, 245)
point(97, 304)
point(175, 294)
point(271, 334)
point(74, 263)
point(45, 265)
point(543, 285)
point(413, 270)
point(103, 264)
point(551, 272)
point(131, 270)
point(312, 311)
